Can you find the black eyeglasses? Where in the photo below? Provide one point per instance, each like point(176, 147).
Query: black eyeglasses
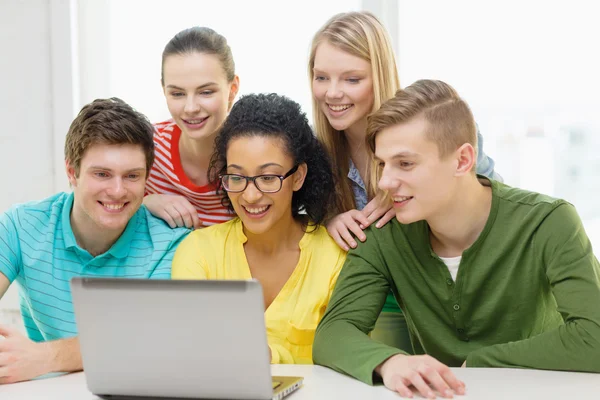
point(268, 183)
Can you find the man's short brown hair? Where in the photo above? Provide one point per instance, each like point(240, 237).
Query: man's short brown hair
point(449, 118)
point(108, 121)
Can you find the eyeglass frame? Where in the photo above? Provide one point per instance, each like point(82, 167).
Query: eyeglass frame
point(253, 180)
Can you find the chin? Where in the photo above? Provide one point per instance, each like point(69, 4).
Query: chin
point(339, 125)
point(255, 229)
point(113, 224)
point(406, 219)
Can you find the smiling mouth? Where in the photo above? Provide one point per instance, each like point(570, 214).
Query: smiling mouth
point(339, 107)
point(256, 210)
point(113, 206)
point(194, 121)
point(401, 199)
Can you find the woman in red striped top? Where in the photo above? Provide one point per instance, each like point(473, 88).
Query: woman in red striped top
point(199, 83)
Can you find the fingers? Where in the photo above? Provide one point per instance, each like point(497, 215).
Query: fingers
point(4, 376)
point(371, 206)
point(191, 215)
point(347, 237)
point(188, 218)
point(7, 331)
point(377, 208)
point(6, 359)
point(419, 383)
point(177, 215)
point(165, 216)
point(175, 210)
point(360, 217)
point(435, 379)
point(456, 385)
point(402, 389)
point(344, 225)
point(335, 235)
point(387, 217)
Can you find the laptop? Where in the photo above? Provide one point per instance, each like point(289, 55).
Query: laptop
point(176, 339)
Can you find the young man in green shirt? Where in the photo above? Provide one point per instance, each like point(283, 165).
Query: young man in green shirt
point(486, 274)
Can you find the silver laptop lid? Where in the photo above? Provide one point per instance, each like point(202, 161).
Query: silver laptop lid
point(191, 339)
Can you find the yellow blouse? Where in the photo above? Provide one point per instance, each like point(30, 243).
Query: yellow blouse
point(217, 252)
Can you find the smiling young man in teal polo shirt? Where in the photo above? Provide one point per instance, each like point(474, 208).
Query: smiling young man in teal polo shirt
point(100, 229)
point(486, 274)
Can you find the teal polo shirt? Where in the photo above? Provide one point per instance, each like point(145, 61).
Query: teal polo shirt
point(38, 250)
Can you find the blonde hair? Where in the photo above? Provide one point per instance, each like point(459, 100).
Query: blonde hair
point(360, 34)
point(449, 118)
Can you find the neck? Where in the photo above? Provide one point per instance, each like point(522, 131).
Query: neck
point(90, 237)
point(355, 136)
point(196, 151)
point(282, 237)
point(458, 226)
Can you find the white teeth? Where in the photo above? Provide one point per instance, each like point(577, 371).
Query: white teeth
point(402, 198)
point(195, 121)
point(340, 107)
point(256, 210)
point(114, 206)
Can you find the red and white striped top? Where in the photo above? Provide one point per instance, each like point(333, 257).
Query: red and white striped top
point(167, 177)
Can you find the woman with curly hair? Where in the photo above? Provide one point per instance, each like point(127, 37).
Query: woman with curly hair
point(276, 177)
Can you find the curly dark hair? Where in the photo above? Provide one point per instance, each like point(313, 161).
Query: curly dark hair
point(272, 115)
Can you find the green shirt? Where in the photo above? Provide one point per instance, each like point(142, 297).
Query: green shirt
point(527, 293)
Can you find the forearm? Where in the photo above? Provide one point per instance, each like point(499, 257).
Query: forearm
point(62, 355)
point(342, 346)
point(574, 346)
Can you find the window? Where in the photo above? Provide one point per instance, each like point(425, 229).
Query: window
point(530, 73)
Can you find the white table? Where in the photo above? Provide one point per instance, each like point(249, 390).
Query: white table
point(323, 383)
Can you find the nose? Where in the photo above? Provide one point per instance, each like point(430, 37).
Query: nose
point(387, 181)
point(117, 188)
point(191, 105)
point(251, 194)
point(334, 91)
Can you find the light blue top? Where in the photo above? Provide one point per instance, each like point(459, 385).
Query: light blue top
point(38, 250)
point(485, 166)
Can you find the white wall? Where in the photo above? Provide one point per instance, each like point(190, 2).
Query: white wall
point(36, 104)
point(25, 104)
point(26, 147)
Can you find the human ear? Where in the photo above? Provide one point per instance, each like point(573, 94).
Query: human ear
point(233, 91)
point(466, 158)
point(71, 174)
point(299, 176)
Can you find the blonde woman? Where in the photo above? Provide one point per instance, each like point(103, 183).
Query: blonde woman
point(353, 70)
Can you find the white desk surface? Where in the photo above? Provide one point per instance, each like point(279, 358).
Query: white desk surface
point(323, 383)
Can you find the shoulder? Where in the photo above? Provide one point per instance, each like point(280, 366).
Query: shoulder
point(322, 246)
point(158, 230)
point(39, 212)
point(215, 236)
point(524, 201)
point(165, 132)
point(165, 128)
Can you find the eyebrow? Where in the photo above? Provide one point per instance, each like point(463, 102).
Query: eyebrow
point(110, 170)
point(351, 71)
point(235, 166)
point(199, 87)
point(402, 154)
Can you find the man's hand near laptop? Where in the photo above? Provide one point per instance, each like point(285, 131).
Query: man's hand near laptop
point(22, 359)
point(424, 373)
